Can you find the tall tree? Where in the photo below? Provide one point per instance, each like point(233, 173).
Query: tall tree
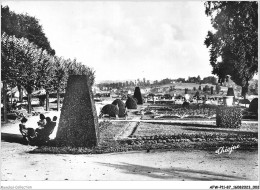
point(235, 40)
point(45, 74)
point(60, 77)
point(20, 60)
point(77, 68)
point(9, 68)
point(24, 26)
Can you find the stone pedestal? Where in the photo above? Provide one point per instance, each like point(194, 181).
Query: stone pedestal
point(228, 100)
point(78, 125)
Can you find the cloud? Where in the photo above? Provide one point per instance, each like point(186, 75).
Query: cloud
point(128, 40)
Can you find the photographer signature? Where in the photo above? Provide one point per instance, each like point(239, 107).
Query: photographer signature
point(226, 149)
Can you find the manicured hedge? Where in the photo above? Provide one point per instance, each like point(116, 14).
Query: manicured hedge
point(131, 103)
point(121, 106)
point(228, 117)
point(185, 104)
point(110, 110)
point(230, 92)
point(253, 107)
point(244, 101)
point(138, 96)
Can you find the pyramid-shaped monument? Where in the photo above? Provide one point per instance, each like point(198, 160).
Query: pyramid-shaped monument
point(78, 125)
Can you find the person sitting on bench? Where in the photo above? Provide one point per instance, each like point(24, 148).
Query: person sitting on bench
point(23, 129)
point(44, 132)
point(27, 133)
point(42, 121)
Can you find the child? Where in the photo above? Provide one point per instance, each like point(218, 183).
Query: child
point(42, 121)
point(23, 129)
point(28, 133)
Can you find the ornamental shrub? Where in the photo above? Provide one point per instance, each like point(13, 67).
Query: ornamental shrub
point(230, 92)
point(253, 107)
point(206, 88)
point(244, 101)
point(211, 90)
point(138, 96)
point(185, 104)
point(121, 106)
point(197, 94)
point(218, 88)
point(109, 109)
point(131, 103)
point(228, 117)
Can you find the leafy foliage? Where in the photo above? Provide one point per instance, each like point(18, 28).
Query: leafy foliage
point(228, 117)
point(131, 103)
point(230, 92)
point(138, 96)
point(20, 61)
point(121, 106)
point(218, 88)
point(185, 104)
point(235, 40)
point(253, 107)
point(110, 109)
point(60, 74)
point(24, 26)
point(77, 68)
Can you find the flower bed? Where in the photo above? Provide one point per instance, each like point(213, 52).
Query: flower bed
point(150, 129)
point(166, 139)
point(178, 111)
point(193, 140)
point(194, 111)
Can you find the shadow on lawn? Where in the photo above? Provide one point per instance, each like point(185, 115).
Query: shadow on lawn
point(173, 173)
point(13, 138)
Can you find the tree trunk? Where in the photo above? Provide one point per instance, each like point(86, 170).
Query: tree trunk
point(41, 100)
point(58, 100)
point(29, 95)
point(5, 101)
point(20, 89)
point(245, 90)
point(11, 97)
point(47, 100)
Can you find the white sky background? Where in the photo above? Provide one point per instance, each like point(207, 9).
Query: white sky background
point(127, 40)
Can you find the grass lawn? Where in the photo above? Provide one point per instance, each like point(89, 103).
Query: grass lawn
point(150, 129)
point(174, 136)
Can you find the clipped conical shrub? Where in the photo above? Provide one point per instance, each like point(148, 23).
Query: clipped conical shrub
point(131, 103)
point(109, 109)
point(253, 107)
point(78, 124)
point(197, 94)
point(230, 92)
point(121, 106)
point(211, 90)
point(185, 104)
point(138, 96)
point(218, 88)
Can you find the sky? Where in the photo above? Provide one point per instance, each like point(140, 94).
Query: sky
point(126, 40)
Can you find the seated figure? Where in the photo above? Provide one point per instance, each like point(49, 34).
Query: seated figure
point(45, 132)
point(27, 133)
point(23, 128)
